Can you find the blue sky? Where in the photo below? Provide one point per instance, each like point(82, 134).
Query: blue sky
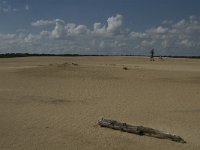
point(122, 26)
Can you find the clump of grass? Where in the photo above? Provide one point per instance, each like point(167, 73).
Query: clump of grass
point(125, 68)
point(74, 64)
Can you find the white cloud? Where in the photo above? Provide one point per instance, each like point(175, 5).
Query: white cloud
point(43, 22)
point(27, 7)
point(113, 27)
point(137, 35)
point(99, 30)
point(158, 30)
point(164, 22)
point(8, 7)
point(73, 29)
point(7, 36)
point(181, 24)
point(81, 29)
point(114, 23)
point(5, 7)
point(45, 34)
point(70, 28)
point(59, 30)
point(179, 36)
point(97, 26)
point(109, 38)
point(30, 38)
point(146, 44)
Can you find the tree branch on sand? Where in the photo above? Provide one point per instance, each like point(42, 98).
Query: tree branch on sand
point(139, 130)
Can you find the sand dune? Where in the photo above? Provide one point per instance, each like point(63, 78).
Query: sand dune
point(54, 102)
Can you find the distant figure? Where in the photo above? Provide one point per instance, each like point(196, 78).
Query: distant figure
point(161, 58)
point(152, 55)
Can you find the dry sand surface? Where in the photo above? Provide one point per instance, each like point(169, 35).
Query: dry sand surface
point(54, 103)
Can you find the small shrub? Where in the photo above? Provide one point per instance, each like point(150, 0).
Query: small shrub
point(125, 68)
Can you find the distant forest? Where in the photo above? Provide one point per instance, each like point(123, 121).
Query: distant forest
point(12, 55)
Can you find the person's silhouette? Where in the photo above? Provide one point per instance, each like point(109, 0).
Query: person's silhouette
point(152, 55)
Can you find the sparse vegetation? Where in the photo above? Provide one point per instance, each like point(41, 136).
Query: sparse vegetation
point(74, 64)
point(125, 68)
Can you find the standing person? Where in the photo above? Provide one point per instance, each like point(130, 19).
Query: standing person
point(152, 55)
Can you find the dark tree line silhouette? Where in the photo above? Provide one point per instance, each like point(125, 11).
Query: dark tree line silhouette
point(12, 55)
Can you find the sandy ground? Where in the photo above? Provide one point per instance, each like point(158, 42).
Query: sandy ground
point(54, 103)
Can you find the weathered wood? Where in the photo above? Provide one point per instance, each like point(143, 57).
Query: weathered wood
point(139, 130)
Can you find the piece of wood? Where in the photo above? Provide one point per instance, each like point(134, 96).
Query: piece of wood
point(139, 130)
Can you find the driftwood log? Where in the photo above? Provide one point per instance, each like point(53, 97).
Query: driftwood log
point(139, 130)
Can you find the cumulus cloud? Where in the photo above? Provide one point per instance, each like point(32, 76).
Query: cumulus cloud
point(30, 38)
point(27, 8)
point(62, 29)
point(59, 30)
point(9, 7)
point(178, 37)
point(137, 35)
point(43, 22)
point(99, 29)
point(81, 29)
point(6, 7)
point(7, 36)
point(158, 30)
point(73, 29)
point(164, 22)
point(113, 27)
point(114, 23)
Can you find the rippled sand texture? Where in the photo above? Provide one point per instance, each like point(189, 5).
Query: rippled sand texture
point(54, 103)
